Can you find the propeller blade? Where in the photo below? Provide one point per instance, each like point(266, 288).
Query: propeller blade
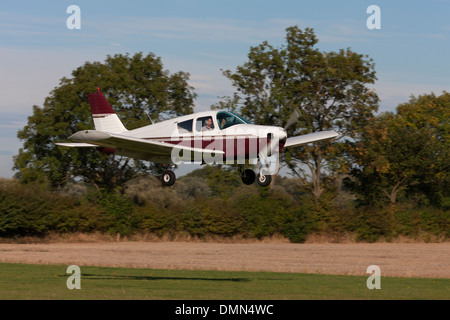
point(293, 118)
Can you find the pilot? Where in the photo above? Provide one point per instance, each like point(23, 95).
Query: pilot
point(208, 125)
point(222, 122)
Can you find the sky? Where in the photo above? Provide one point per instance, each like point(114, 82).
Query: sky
point(410, 50)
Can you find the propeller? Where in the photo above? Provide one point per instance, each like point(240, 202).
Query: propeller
point(293, 118)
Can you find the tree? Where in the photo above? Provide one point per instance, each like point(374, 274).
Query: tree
point(428, 117)
point(134, 85)
point(406, 151)
point(329, 89)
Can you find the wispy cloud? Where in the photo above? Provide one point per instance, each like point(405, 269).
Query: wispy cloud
point(436, 36)
point(20, 25)
point(199, 29)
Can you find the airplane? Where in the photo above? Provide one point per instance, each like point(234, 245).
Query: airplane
point(207, 137)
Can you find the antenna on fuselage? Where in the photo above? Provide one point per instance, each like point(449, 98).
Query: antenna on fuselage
point(148, 115)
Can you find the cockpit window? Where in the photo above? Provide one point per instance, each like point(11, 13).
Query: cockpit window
point(185, 126)
point(227, 119)
point(240, 117)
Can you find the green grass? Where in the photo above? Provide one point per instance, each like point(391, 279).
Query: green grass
point(22, 281)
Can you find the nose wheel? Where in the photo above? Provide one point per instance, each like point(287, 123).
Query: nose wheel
point(168, 178)
point(264, 180)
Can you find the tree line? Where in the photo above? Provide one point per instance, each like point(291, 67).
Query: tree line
point(200, 205)
point(386, 175)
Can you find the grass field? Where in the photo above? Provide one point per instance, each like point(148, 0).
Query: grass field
point(22, 281)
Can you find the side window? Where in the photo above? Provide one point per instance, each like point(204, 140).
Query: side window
point(204, 124)
point(185, 126)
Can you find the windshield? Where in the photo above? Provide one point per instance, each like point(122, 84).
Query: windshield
point(227, 119)
point(240, 117)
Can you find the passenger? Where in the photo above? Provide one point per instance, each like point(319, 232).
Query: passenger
point(222, 122)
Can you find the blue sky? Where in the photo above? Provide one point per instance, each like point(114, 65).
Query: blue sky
point(202, 37)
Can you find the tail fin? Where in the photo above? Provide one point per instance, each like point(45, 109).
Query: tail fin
point(105, 119)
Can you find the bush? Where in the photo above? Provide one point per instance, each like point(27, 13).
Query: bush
point(374, 223)
point(31, 210)
point(246, 211)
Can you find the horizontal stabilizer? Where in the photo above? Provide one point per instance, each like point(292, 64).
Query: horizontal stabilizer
point(111, 140)
point(75, 145)
point(312, 137)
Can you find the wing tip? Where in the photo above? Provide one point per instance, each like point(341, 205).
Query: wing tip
point(310, 138)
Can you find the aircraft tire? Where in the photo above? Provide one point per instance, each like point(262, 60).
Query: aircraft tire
point(264, 180)
point(248, 177)
point(168, 178)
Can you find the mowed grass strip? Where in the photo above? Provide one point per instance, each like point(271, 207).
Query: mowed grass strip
point(24, 281)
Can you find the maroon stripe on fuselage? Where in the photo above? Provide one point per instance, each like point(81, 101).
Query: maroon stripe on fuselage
point(233, 146)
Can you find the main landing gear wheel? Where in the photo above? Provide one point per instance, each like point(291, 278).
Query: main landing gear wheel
point(248, 176)
point(264, 180)
point(168, 178)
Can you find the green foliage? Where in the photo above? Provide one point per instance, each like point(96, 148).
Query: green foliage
point(33, 210)
point(118, 212)
point(295, 226)
point(222, 180)
point(248, 211)
point(405, 154)
point(373, 224)
point(330, 89)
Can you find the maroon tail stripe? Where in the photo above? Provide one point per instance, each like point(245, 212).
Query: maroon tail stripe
point(99, 104)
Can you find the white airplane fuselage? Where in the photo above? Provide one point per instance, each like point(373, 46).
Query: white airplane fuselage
point(238, 142)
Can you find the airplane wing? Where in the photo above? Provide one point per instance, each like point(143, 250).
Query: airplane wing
point(307, 138)
point(131, 144)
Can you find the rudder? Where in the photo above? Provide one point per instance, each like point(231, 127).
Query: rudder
point(105, 119)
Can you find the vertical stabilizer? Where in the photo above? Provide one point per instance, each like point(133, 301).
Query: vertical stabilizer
point(105, 119)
